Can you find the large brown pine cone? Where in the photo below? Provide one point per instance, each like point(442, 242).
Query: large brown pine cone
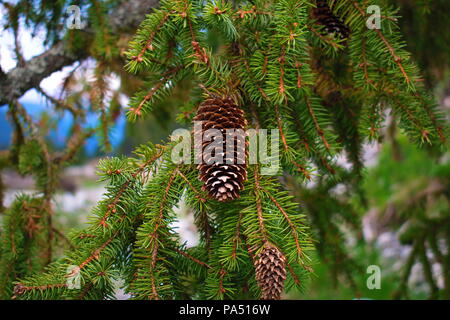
point(223, 180)
point(270, 267)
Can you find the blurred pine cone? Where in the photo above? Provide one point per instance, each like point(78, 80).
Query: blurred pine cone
point(325, 17)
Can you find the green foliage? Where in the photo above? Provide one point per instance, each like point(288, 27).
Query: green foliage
point(134, 212)
point(323, 94)
point(102, 248)
point(421, 24)
point(383, 180)
point(24, 245)
point(264, 213)
point(385, 72)
point(30, 158)
point(418, 211)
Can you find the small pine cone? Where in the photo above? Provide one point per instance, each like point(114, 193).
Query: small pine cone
point(270, 267)
point(332, 24)
point(223, 180)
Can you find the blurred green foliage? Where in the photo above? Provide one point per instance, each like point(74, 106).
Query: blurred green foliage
point(391, 175)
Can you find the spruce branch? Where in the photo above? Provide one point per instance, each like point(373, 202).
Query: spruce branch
point(97, 248)
point(278, 67)
point(397, 59)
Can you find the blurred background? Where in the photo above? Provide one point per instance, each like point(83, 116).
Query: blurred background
point(406, 189)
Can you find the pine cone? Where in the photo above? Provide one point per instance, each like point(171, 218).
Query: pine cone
point(332, 24)
point(223, 180)
point(270, 267)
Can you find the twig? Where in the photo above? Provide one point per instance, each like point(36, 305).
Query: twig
point(187, 255)
point(259, 206)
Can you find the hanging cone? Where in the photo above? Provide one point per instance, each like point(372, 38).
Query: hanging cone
point(332, 24)
point(270, 267)
point(222, 172)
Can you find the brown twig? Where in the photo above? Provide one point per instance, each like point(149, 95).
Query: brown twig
point(126, 185)
point(289, 221)
point(185, 254)
point(259, 209)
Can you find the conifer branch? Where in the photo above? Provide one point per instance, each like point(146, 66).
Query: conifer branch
point(197, 193)
point(94, 255)
point(112, 205)
point(20, 289)
point(74, 144)
point(185, 254)
point(397, 59)
point(237, 236)
point(259, 208)
point(316, 123)
point(159, 221)
point(276, 67)
point(291, 225)
point(293, 275)
point(137, 111)
point(424, 133)
point(299, 167)
point(148, 44)
point(324, 39)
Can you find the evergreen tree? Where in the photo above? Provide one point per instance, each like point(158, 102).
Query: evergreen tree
point(313, 70)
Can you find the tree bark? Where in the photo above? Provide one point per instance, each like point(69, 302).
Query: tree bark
point(16, 82)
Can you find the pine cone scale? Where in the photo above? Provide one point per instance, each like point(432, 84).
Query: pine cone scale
point(270, 268)
point(223, 181)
